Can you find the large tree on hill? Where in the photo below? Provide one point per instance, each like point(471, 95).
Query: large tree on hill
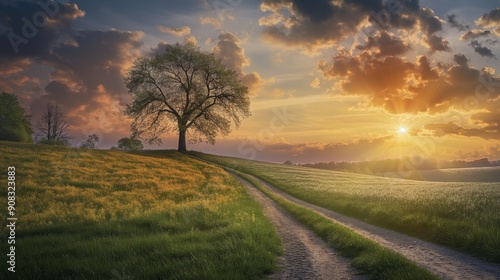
point(186, 90)
point(52, 128)
point(14, 122)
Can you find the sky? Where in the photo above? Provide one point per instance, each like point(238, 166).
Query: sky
point(330, 80)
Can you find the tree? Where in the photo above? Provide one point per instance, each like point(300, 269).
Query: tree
point(52, 128)
point(92, 142)
point(129, 144)
point(14, 122)
point(186, 90)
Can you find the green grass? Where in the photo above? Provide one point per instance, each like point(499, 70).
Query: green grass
point(463, 216)
point(476, 174)
point(88, 214)
point(366, 255)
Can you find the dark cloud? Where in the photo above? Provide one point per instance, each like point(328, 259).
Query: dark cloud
point(454, 23)
point(325, 23)
point(429, 22)
point(425, 70)
point(473, 34)
point(402, 86)
point(315, 10)
point(437, 43)
point(491, 20)
point(461, 60)
point(386, 44)
point(314, 24)
point(482, 51)
point(30, 29)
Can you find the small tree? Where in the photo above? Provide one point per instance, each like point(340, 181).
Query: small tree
point(14, 122)
point(186, 90)
point(92, 142)
point(129, 144)
point(52, 128)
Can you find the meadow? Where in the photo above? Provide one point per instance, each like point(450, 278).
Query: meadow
point(93, 214)
point(475, 174)
point(460, 215)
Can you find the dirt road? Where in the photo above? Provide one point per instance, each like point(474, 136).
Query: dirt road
point(305, 256)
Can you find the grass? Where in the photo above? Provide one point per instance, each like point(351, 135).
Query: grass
point(89, 214)
point(366, 255)
point(463, 216)
point(475, 174)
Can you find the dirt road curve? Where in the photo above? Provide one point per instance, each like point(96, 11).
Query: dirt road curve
point(305, 256)
point(443, 262)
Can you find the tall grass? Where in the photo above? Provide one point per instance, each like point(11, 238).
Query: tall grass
point(90, 214)
point(463, 216)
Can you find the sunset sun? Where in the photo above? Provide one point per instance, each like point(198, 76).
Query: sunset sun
point(402, 130)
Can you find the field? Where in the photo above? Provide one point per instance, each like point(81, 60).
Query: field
point(463, 216)
point(92, 214)
point(476, 174)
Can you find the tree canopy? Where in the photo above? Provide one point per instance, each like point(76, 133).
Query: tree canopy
point(129, 144)
point(92, 142)
point(14, 122)
point(186, 90)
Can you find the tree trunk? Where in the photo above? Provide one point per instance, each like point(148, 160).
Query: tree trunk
point(182, 141)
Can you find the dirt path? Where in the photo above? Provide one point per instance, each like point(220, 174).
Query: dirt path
point(305, 256)
point(443, 262)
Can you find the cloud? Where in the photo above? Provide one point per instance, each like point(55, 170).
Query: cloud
point(454, 23)
point(490, 20)
point(87, 80)
point(402, 86)
point(473, 34)
point(40, 33)
point(179, 32)
point(229, 50)
point(316, 83)
point(323, 23)
point(437, 43)
point(313, 24)
point(482, 51)
point(280, 150)
point(385, 43)
point(212, 21)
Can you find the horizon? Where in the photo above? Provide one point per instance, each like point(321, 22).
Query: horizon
point(351, 82)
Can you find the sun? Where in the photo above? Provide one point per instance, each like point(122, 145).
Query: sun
point(402, 130)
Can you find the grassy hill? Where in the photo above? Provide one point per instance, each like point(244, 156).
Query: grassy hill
point(92, 214)
point(460, 215)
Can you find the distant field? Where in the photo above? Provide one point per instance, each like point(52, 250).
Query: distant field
point(89, 214)
point(464, 216)
point(476, 174)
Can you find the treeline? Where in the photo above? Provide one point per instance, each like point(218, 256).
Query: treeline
point(51, 129)
point(394, 165)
